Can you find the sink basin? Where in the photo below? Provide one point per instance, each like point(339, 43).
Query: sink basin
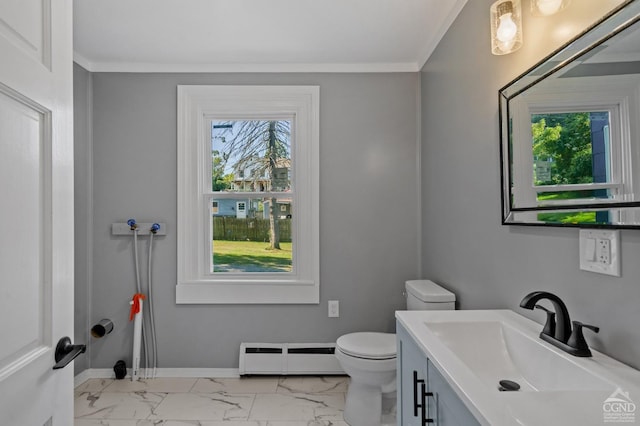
point(475, 350)
point(495, 351)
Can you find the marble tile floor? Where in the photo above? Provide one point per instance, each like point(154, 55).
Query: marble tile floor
point(252, 401)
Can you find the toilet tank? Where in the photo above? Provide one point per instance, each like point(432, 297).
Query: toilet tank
point(425, 295)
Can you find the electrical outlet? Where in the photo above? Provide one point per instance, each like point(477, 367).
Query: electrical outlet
point(334, 309)
point(600, 251)
point(604, 251)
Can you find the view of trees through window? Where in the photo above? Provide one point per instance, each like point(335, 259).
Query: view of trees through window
point(251, 231)
point(570, 148)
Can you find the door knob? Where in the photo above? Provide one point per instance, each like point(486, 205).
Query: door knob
point(66, 352)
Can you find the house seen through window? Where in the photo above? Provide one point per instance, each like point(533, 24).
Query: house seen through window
point(251, 224)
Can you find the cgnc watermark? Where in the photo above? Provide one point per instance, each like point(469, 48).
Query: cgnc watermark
point(619, 408)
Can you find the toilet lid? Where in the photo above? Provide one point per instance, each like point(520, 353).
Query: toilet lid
point(368, 345)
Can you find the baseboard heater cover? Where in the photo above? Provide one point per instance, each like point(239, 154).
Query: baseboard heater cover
point(288, 359)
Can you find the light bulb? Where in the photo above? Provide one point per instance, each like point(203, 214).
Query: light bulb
point(507, 29)
point(506, 25)
point(548, 7)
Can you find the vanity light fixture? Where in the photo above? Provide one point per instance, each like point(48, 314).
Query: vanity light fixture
point(548, 7)
point(506, 26)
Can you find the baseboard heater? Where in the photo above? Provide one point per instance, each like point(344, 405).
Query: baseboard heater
point(288, 359)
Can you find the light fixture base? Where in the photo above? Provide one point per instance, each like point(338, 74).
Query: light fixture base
point(504, 8)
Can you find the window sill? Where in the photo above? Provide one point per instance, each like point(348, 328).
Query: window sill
point(248, 292)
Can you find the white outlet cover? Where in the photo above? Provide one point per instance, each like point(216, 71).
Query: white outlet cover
point(334, 309)
point(589, 262)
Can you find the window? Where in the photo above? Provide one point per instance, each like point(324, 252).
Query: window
point(572, 157)
point(248, 189)
point(581, 151)
point(251, 156)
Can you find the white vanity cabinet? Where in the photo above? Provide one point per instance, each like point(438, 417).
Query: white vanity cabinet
point(420, 384)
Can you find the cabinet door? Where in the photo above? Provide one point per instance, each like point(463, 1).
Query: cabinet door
point(445, 407)
point(412, 373)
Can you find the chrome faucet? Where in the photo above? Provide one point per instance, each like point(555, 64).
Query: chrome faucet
point(557, 329)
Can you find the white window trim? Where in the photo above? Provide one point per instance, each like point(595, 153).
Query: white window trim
point(620, 97)
point(196, 285)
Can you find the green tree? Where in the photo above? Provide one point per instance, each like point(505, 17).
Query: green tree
point(219, 180)
point(261, 145)
point(565, 139)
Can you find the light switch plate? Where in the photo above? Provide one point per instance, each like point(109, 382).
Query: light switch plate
point(603, 257)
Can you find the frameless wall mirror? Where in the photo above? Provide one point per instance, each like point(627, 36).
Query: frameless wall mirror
point(570, 131)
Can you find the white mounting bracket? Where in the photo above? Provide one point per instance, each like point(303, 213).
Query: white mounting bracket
point(143, 229)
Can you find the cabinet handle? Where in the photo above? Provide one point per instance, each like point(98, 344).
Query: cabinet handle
point(425, 394)
point(416, 381)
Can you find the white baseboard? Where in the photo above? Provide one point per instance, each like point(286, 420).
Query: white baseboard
point(82, 377)
point(107, 373)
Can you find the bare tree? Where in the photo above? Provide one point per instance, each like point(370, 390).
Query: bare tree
point(264, 147)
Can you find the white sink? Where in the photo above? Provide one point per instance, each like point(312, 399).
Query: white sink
point(496, 350)
point(474, 350)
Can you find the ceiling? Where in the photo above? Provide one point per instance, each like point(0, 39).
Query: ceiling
point(259, 35)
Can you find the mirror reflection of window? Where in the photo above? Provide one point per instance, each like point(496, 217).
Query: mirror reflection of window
point(570, 134)
point(571, 148)
point(576, 151)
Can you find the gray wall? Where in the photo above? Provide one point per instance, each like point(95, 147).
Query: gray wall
point(369, 204)
point(465, 246)
point(82, 208)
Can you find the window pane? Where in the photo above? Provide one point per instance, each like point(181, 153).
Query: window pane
point(571, 148)
point(574, 217)
point(249, 236)
point(591, 194)
point(251, 155)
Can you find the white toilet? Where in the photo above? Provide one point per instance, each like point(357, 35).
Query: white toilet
point(370, 360)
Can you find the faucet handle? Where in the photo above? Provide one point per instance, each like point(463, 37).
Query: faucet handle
point(583, 325)
point(550, 326)
point(577, 340)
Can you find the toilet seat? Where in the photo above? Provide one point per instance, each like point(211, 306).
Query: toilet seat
point(368, 345)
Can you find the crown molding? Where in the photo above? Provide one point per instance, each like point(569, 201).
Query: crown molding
point(431, 44)
point(146, 67)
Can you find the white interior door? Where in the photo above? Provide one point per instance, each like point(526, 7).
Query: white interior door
point(36, 210)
